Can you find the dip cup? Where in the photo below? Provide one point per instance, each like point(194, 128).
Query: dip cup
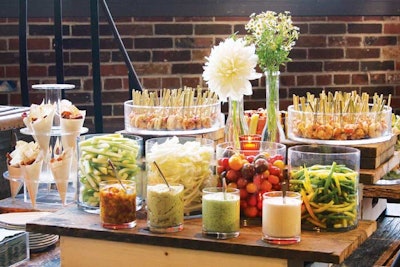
point(165, 208)
point(118, 204)
point(281, 218)
point(221, 212)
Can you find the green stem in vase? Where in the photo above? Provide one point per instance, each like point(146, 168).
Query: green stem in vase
point(272, 105)
point(236, 128)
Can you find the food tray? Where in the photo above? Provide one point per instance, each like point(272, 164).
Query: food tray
point(167, 120)
point(339, 128)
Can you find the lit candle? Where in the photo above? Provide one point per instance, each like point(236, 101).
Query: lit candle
point(250, 142)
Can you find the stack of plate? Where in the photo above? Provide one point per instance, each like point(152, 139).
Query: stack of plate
point(18, 220)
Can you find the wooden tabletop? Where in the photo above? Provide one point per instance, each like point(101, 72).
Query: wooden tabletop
point(314, 246)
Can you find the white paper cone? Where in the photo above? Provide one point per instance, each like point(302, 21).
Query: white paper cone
point(70, 130)
point(31, 174)
point(15, 186)
point(60, 170)
point(14, 177)
point(14, 172)
point(42, 129)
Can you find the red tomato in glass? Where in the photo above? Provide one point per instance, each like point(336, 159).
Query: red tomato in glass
point(275, 157)
point(250, 158)
point(273, 170)
point(273, 179)
point(241, 183)
point(251, 211)
point(232, 175)
point(235, 162)
point(224, 162)
point(252, 200)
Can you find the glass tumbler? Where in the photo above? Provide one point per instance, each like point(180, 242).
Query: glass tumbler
point(118, 204)
point(221, 212)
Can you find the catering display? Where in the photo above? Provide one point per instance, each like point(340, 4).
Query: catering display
point(253, 170)
point(95, 152)
point(327, 178)
point(183, 160)
point(339, 118)
point(180, 111)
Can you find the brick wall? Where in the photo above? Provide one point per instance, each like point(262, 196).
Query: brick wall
point(333, 53)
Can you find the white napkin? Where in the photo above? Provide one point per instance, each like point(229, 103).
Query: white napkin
point(4, 233)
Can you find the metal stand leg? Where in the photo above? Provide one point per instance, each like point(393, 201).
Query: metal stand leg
point(94, 20)
point(23, 57)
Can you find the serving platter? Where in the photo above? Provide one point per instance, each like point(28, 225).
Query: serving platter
point(366, 141)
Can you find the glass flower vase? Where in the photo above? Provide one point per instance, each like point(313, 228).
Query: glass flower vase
point(236, 124)
point(272, 129)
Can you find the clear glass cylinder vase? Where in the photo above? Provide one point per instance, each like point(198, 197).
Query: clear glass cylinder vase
point(272, 129)
point(236, 124)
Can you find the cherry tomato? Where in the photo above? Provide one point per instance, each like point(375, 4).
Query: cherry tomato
point(250, 158)
point(266, 186)
point(220, 169)
point(279, 163)
point(241, 182)
point(224, 162)
point(248, 171)
point(273, 179)
point(251, 188)
point(232, 175)
point(251, 211)
point(272, 159)
point(243, 193)
point(243, 204)
point(235, 162)
point(273, 170)
point(260, 165)
point(252, 200)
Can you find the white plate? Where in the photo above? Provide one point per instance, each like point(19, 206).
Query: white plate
point(20, 218)
point(340, 142)
point(45, 244)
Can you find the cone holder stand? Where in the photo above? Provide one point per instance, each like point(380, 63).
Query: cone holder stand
point(47, 190)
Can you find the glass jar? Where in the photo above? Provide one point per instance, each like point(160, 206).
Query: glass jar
point(257, 167)
point(95, 152)
point(182, 160)
point(327, 179)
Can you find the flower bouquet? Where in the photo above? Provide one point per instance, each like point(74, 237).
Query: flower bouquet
point(274, 36)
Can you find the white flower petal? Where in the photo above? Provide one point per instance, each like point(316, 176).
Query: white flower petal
point(229, 68)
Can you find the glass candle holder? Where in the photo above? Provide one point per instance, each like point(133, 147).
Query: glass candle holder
point(250, 142)
point(327, 179)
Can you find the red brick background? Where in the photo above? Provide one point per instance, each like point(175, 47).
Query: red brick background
point(333, 53)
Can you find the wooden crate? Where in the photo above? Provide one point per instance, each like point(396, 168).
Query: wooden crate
point(371, 176)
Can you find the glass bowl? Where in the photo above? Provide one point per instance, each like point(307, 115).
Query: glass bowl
point(153, 119)
point(336, 128)
point(327, 178)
